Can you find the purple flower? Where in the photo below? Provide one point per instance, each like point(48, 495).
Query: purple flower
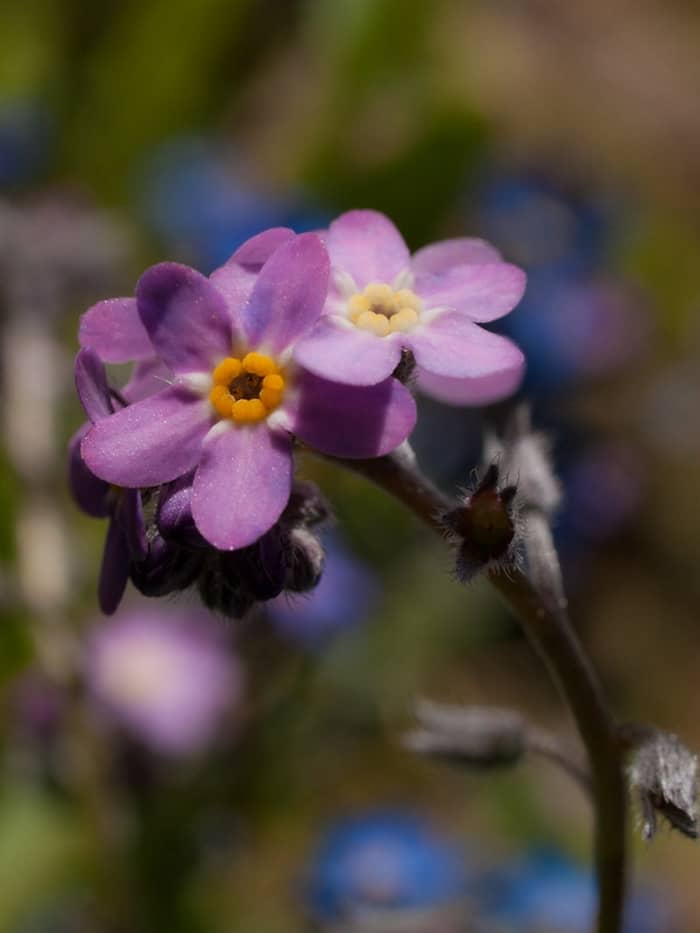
point(167, 678)
point(126, 539)
point(238, 397)
point(382, 301)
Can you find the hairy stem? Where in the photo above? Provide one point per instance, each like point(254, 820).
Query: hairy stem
point(547, 625)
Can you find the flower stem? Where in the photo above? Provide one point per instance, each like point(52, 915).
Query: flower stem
point(547, 625)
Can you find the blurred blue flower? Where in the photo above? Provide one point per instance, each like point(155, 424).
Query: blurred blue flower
point(573, 327)
point(26, 132)
point(345, 596)
point(203, 203)
point(535, 222)
point(385, 860)
point(546, 893)
point(604, 487)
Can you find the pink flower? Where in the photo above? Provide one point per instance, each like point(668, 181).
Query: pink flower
point(382, 300)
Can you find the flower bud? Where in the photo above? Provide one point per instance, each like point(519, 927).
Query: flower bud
point(664, 774)
point(483, 527)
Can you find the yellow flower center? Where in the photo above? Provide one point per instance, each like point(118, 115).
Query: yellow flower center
point(247, 390)
point(383, 311)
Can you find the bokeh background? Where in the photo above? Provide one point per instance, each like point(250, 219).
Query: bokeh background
point(131, 132)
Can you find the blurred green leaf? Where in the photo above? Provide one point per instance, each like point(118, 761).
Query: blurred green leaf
point(41, 848)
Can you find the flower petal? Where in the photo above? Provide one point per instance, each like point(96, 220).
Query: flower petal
point(185, 316)
point(342, 353)
point(92, 386)
point(367, 246)
point(483, 292)
point(288, 295)
point(438, 258)
point(257, 250)
point(89, 492)
point(481, 391)
point(236, 278)
point(352, 421)
point(114, 572)
point(129, 515)
point(452, 345)
point(151, 442)
point(242, 485)
point(114, 330)
point(147, 378)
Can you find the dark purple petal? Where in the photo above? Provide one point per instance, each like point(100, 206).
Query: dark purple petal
point(438, 258)
point(242, 485)
point(347, 354)
point(482, 292)
point(185, 316)
point(92, 386)
point(452, 345)
point(367, 245)
point(288, 295)
point(114, 330)
point(151, 442)
point(89, 492)
point(174, 514)
point(114, 572)
point(481, 391)
point(236, 278)
point(352, 421)
point(129, 516)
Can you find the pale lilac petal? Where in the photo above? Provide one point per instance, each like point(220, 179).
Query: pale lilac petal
point(151, 442)
point(367, 245)
point(236, 278)
point(347, 354)
point(242, 485)
point(147, 378)
point(289, 294)
point(114, 330)
point(452, 345)
point(92, 386)
point(352, 421)
point(114, 572)
point(482, 292)
point(481, 391)
point(89, 492)
point(185, 316)
point(438, 258)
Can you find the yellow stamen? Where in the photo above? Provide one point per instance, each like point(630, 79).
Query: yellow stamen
point(222, 400)
point(357, 305)
point(382, 311)
point(259, 364)
point(227, 370)
point(403, 320)
point(236, 383)
point(376, 324)
point(405, 298)
point(379, 293)
point(273, 381)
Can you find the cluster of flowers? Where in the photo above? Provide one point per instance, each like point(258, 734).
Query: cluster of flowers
point(296, 339)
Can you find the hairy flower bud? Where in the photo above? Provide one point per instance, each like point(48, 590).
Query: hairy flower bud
point(476, 737)
point(483, 527)
point(664, 774)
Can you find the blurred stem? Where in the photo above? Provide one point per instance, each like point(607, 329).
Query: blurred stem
point(547, 625)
